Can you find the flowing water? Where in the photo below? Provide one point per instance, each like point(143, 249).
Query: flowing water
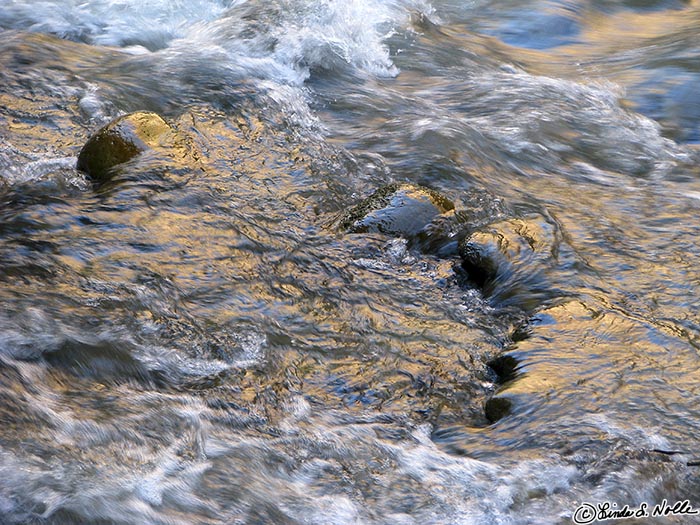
point(198, 342)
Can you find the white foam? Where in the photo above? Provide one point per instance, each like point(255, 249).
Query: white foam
point(111, 22)
point(647, 437)
point(543, 116)
point(280, 39)
point(94, 106)
point(278, 43)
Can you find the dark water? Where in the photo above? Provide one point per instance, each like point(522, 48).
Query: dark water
point(197, 342)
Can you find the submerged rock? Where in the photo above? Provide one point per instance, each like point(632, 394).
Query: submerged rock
point(123, 139)
point(497, 408)
point(397, 209)
point(509, 260)
point(505, 367)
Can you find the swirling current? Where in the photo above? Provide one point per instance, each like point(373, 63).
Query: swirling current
point(204, 340)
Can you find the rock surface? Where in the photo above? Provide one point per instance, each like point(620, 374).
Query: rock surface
point(397, 209)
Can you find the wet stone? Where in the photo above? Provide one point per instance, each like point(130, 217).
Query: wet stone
point(397, 209)
point(508, 260)
point(123, 139)
point(497, 408)
point(505, 367)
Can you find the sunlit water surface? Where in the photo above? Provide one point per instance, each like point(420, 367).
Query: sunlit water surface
point(198, 342)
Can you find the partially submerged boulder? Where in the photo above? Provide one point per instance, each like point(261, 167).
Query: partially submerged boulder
point(123, 139)
point(397, 209)
point(509, 259)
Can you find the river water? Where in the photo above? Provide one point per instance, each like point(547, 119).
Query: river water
point(200, 343)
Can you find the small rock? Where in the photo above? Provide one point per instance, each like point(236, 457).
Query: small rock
point(505, 367)
point(497, 408)
point(123, 139)
point(397, 209)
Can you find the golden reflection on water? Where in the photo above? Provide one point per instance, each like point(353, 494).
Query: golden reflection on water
point(612, 32)
point(602, 365)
